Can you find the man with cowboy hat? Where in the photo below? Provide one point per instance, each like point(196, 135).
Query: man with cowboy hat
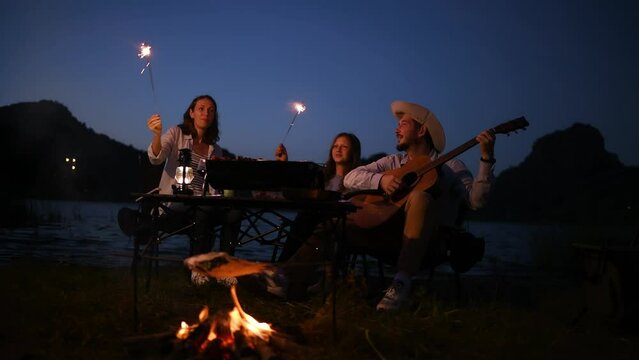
point(419, 133)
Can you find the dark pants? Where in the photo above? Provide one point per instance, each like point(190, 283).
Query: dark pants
point(198, 222)
point(301, 229)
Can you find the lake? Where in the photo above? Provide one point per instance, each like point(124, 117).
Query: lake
point(87, 233)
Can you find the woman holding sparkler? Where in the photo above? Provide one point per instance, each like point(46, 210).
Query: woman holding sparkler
point(194, 141)
point(198, 132)
point(343, 156)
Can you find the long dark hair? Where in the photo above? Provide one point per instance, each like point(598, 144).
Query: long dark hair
point(355, 150)
point(212, 133)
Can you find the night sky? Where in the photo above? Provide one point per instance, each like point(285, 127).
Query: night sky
point(474, 63)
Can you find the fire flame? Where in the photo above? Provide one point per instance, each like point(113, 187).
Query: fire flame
point(204, 314)
point(184, 331)
point(249, 324)
point(238, 321)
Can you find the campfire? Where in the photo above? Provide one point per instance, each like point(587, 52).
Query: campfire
point(222, 334)
point(231, 335)
point(228, 335)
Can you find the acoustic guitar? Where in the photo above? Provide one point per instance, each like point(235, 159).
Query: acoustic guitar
point(418, 174)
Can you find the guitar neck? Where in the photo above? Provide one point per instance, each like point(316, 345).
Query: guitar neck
point(505, 128)
point(451, 154)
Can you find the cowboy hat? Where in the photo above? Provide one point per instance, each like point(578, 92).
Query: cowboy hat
point(423, 116)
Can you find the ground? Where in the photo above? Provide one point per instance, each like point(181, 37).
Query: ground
point(51, 310)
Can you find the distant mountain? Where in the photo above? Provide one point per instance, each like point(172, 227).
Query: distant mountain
point(43, 140)
point(568, 177)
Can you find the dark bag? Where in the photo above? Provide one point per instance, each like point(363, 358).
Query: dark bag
point(462, 249)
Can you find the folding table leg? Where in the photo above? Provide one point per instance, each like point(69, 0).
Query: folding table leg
point(134, 270)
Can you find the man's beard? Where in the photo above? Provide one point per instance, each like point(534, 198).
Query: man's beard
point(401, 147)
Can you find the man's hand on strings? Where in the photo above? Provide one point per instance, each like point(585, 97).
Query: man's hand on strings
point(389, 184)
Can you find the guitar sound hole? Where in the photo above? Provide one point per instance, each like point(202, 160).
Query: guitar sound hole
point(409, 179)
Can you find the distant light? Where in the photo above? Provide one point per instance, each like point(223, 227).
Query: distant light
point(72, 162)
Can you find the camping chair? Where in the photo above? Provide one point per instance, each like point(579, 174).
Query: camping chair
point(454, 246)
point(610, 273)
point(149, 227)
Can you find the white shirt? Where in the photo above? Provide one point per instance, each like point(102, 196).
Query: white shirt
point(456, 186)
point(172, 141)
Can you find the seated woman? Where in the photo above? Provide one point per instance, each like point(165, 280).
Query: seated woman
point(198, 132)
point(343, 156)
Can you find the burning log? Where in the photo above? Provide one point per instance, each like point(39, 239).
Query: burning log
point(227, 335)
point(194, 342)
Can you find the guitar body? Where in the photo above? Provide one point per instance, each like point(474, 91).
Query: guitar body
point(376, 209)
point(418, 174)
point(372, 211)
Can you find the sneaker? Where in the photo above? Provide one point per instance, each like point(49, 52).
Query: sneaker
point(199, 279)
point(395, 298)
point(276, 283)
point(227, 281)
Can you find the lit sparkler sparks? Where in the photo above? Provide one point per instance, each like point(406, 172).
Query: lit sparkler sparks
point(299, 108)
point(145, 53)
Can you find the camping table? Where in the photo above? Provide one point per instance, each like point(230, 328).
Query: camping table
point(256, 212)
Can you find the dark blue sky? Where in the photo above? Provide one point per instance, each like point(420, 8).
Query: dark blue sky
point(474, 63)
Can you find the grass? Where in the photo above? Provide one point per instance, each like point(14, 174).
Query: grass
point(78, 312)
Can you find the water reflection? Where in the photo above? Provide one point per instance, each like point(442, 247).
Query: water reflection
point(87, 233)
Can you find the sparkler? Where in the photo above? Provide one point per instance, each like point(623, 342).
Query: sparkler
point(145, 53)
point(299, 108)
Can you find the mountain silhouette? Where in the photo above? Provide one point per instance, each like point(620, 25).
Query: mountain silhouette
point(44, 141)
point(568, 176)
